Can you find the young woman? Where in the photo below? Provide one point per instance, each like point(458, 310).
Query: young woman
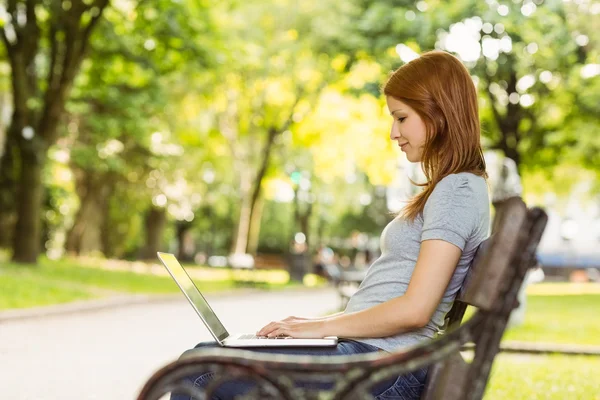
point(427, 249)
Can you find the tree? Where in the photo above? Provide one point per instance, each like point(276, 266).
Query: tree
point(39, 101)
point(537, 107)
point(120, 119)
point(269, 83)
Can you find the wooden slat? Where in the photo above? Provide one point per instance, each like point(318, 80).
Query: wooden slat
point(484, 282)
point(449, 380)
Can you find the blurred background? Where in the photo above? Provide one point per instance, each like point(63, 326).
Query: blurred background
point(250, 139)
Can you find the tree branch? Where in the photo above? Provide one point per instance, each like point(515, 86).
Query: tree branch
point(9, 47)
point(31, 36)
point(128, 55)
point(229, 133)
point(497, 115)
point(290, 119)
point(30, 12)
point(68, 62)
point(52, 74)
point(87, 31)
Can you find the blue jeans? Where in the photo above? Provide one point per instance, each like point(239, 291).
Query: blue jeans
point(405, 387)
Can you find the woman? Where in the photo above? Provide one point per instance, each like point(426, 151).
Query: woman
point(427, 249)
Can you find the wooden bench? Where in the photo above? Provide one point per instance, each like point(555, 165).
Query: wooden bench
point(492, 286)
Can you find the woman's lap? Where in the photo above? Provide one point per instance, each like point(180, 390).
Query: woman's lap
point(405, 387)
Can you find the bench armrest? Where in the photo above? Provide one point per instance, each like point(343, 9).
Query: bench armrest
point(275, 373)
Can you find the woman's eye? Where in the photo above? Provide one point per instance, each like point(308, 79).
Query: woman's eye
point(401, 119)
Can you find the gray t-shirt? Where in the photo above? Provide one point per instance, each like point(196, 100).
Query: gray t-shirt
point(458, 212)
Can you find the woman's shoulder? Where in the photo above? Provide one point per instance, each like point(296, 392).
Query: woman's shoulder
point(458, 198)
point(462, 189)
point(460, 179)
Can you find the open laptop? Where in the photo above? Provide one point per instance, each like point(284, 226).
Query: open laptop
point(215, 326)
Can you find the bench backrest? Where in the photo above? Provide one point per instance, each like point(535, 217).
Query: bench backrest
point(491, 285)
point(492, 259)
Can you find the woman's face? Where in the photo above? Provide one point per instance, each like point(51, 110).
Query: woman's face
point(408, 129)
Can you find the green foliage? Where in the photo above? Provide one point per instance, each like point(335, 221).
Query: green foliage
point(177, 102)
point(120, 117)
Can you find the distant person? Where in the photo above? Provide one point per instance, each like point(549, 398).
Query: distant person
point(427, 249)
point(505, 180)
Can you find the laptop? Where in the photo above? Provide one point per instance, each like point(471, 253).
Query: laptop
point(214, 325)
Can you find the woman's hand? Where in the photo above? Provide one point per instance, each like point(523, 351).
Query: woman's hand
point(296, 327)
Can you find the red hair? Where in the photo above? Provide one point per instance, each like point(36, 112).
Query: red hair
point(440, 89)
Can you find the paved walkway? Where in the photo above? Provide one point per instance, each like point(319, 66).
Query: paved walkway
point(110, 352)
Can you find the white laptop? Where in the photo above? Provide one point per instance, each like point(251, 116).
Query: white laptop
point(215, 326)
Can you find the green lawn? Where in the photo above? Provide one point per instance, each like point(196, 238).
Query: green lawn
point(53, 282)
point(551, 377)
point(555, 313)
point(559, 313)
point(25, 289)
point(560, 319)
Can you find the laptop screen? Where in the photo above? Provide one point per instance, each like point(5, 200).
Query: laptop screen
point(194, 296)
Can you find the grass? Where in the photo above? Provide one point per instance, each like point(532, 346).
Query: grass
point(550, 377)
point(54, 282)
point(560, 319)
point(555, 313)
point(564, 313)
point(23, 289)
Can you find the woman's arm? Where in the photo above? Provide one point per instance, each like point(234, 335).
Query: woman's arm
point(293, 318)
point(435, 266)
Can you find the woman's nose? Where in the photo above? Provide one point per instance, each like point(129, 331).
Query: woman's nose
point(394, 134)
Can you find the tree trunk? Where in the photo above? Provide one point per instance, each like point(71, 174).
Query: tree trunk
point(185, 244)
point(7, 193)
point(508, 123)
point(305, 224)
point(108, 248)
point(26, 243)
point(302, 217)
point(255, 226)
point(262, 171)
point(511, 151)
point(243, 227)
point(86, 234)
point(240, 240)
point(249, 204)
point(156, 219)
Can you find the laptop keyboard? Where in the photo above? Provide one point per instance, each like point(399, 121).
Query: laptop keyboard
point(251, 336)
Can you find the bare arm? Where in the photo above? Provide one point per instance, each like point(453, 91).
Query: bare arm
point(435, 266)
point(313, 318)
point(433, 271)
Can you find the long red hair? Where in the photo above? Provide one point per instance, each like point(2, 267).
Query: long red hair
point(440, 89)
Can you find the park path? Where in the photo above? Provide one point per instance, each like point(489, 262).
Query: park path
point(108, 354)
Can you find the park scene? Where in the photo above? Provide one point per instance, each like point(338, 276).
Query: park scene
point(251, 139)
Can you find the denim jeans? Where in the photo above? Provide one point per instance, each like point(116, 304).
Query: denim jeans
point(405, 387)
